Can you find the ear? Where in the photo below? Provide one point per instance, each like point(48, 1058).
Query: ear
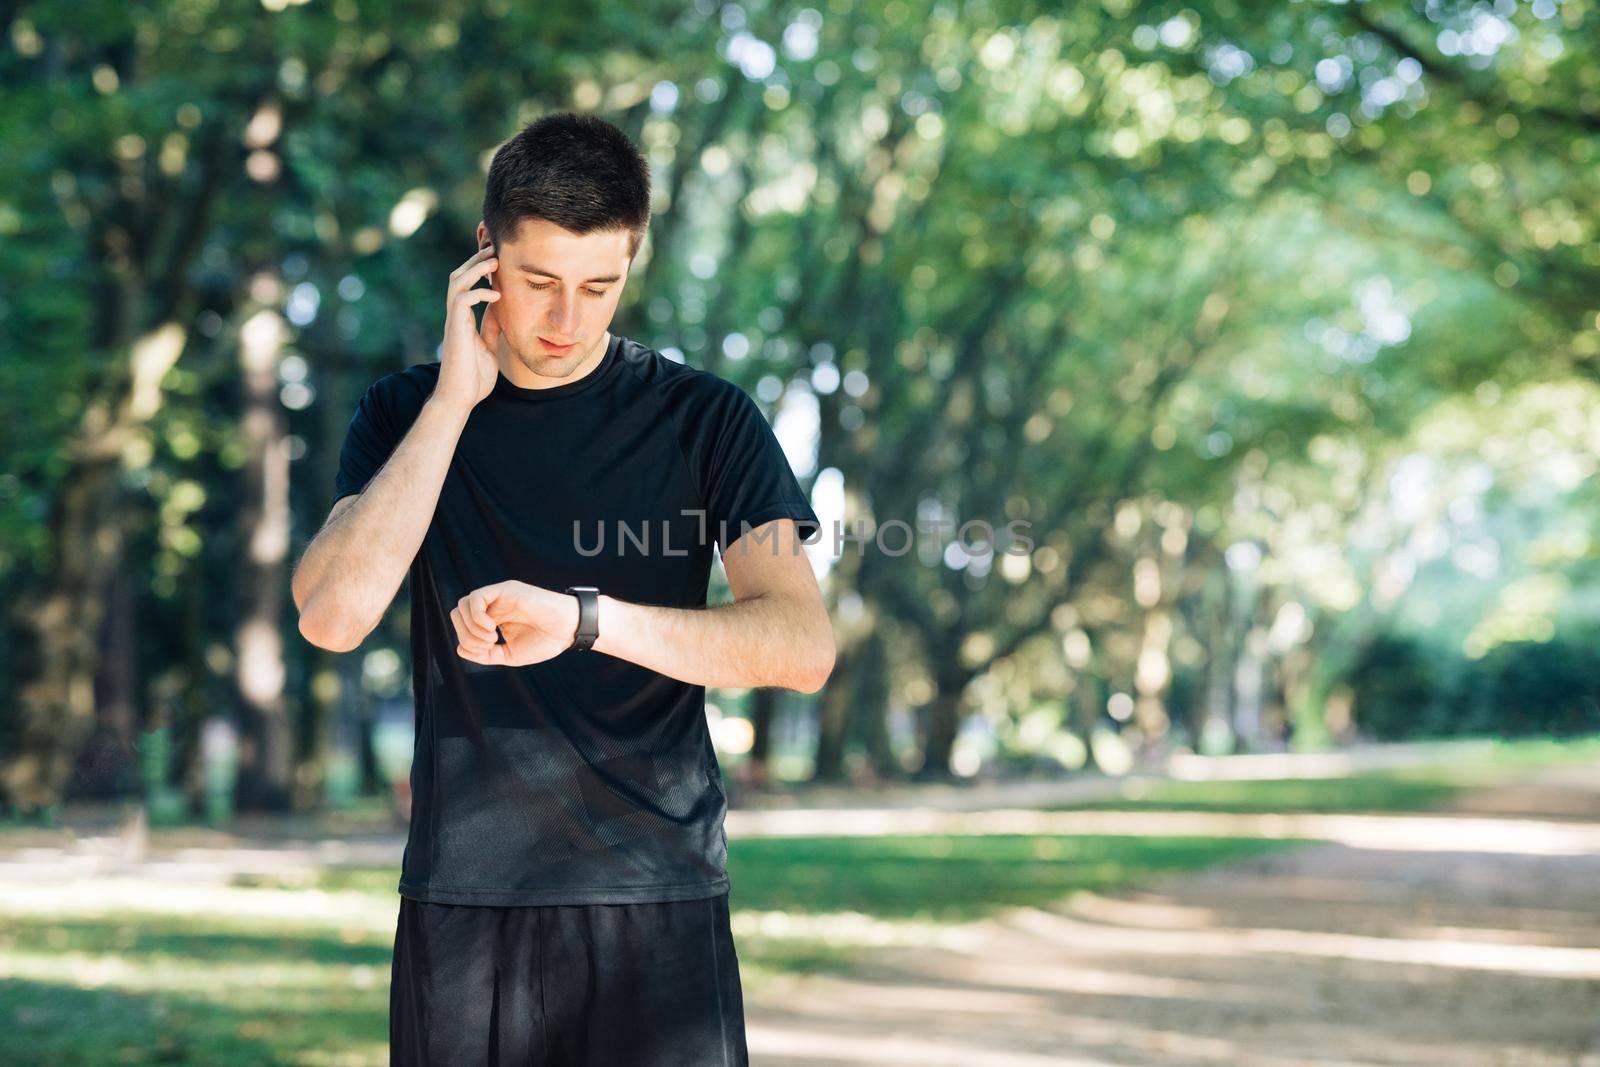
point(483, 235)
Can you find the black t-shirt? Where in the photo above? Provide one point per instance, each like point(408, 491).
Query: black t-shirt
point(585, 779)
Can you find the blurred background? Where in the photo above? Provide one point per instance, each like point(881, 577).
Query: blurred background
point(1278, 326)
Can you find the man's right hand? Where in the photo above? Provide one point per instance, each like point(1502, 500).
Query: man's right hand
point(469, 363)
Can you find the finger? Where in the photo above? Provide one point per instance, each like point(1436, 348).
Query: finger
point(468, 297)
point(475, 650)
point(493, 656)
point(486, 250)
point(471, 626)
point(464, 630)
point(472, 272)
point(502, 601)
point(478, 609)
point(473, 636)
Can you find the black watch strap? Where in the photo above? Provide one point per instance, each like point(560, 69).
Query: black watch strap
point(588, 616)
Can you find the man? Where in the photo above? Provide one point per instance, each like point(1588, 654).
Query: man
point(553, 491)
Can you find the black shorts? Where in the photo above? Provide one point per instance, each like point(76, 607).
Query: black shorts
point(566, 985)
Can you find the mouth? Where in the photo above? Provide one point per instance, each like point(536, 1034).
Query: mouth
point(559, 350)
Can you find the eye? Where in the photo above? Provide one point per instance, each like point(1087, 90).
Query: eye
point(551, 285)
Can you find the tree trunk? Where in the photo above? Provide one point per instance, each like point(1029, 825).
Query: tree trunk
point(833, 716)
point(1249, 676)
point(190, 713)
point(871, 719)
point(852, 711)
point(944, 722)
point(265, 740)
point(107, 765)
point(1087, 701)
point(355, 701)
point(54, 691)
point(332, 685)
point(763, 710)
point(1216, 704)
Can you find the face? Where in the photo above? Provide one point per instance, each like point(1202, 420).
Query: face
point(557, 288)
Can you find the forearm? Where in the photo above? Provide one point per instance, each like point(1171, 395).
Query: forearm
point(758, 641)
point(352, 569)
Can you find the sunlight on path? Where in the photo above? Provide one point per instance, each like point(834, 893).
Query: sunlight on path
point(1469, 937)
point(1409, 833)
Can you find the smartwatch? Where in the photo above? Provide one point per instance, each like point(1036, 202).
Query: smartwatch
point(588, 616)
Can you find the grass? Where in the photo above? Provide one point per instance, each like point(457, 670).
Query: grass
point(942, 878)
point(1390, 790)
point(127, 988)
point(131, 985)
point(1369, 791)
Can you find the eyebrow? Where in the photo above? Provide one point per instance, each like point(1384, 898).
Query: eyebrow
point(548, 274)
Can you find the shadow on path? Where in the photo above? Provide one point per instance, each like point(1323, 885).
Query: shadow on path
point(1335, 954)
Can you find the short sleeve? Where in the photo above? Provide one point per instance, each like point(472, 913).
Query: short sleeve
point(368, 442)
point(381, 420)
point(746, 477)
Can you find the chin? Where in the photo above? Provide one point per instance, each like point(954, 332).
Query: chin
point(547, 366)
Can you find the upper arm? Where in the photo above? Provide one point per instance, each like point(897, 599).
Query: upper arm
point(770, 561)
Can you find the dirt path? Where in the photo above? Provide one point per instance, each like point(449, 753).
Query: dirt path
point(1330, 955)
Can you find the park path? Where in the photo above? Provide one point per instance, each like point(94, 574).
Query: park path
point(1469, 937)
point(1465, 936)
point(98, 842)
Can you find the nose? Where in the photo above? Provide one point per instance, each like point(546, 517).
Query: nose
point(563, 312)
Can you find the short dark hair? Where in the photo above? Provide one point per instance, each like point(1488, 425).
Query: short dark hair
point(575, 170)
